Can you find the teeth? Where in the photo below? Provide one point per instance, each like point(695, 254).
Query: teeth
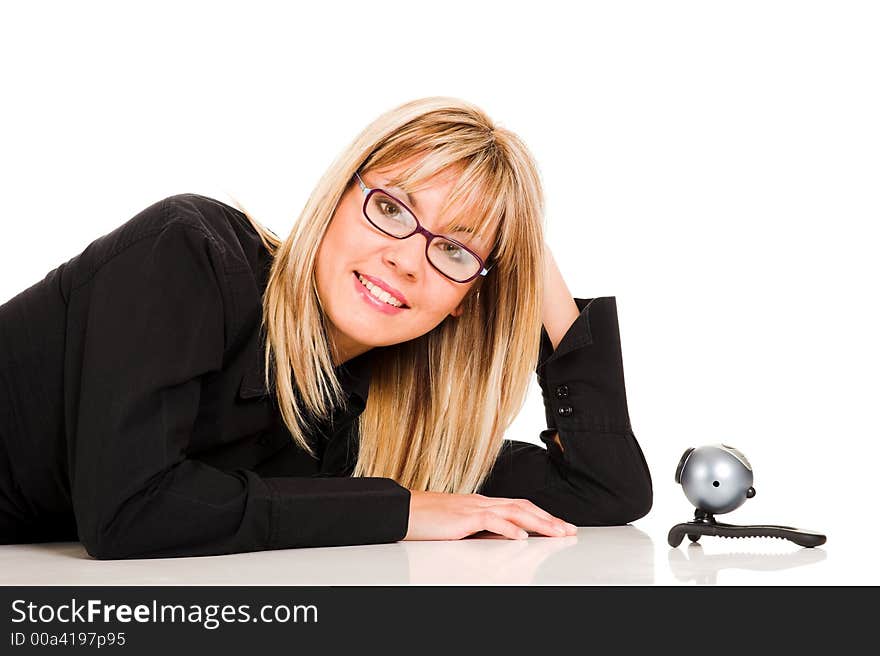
point(379, 293)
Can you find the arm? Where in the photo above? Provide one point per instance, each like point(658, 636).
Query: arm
point(559, 311)
point(154, 315)
point(593, 471)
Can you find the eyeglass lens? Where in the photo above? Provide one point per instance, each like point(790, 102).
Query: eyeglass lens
point(450, 258)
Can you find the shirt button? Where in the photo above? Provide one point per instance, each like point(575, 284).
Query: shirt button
point(565, 410)
point(562, 391)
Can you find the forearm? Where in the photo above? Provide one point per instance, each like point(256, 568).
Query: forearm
point(593, 471)
point(559, 310)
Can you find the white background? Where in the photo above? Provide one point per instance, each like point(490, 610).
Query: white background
point(713, 166)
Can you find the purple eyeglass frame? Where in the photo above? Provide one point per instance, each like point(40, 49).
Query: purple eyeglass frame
point(429, 236)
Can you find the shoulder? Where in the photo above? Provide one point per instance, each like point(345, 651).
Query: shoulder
point(203, 222)
point(227, 228)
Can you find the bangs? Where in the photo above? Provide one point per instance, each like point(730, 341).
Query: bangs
point(477, 201)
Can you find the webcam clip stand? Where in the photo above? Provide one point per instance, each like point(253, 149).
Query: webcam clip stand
point(704, 524)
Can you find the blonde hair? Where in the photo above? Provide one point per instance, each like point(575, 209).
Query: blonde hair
point(438, 405)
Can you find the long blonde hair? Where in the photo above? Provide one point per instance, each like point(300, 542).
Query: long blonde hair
point(438, 405)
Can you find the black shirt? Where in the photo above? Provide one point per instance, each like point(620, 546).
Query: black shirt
point(134, 417)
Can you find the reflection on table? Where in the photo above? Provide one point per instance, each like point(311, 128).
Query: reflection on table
point(596, 555)
point(692, 564)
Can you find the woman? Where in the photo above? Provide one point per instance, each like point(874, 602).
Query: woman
point(190, 384)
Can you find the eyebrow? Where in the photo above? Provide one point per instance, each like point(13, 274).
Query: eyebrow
point(412, 203)
point(400, 192)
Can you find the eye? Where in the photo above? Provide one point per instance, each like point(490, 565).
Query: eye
point(388, 208)
point(450, 251)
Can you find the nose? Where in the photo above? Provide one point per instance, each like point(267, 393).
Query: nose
point(407, 256)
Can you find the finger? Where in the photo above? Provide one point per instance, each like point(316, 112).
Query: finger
point(497, 524)
point(525, 503)
point(537, 510)
point(528, 520)
point(571, 528)
point(491, 502)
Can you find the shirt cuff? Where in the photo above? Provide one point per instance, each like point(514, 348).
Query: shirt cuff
point(577, 336)
point(582, 382)
point(316, 512)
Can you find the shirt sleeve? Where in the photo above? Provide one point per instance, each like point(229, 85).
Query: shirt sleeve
point(154, 328)
point(600, 476)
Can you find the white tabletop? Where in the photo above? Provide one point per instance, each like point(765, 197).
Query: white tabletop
point(636, 554)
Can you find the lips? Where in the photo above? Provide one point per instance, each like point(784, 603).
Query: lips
point(384, 285)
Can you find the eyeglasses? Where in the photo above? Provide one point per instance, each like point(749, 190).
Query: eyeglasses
point(450, 257)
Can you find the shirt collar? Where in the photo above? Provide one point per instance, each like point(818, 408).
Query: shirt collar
point(354, 375)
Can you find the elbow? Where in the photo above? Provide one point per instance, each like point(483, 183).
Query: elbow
point(92, 534)
point(100, 547)
point(97, 550)
point(616, 501)
point(108, 550)
point(618, 508)
point(635, 507)
point(100, 554)
point(91, 537)
point(638, 498)
point(105, 544)
point(622, 510)
point(638, 501)
point(610, 509)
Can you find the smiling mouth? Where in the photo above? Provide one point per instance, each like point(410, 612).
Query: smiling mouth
point(369, 287)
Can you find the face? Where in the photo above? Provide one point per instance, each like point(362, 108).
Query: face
point(351, 246)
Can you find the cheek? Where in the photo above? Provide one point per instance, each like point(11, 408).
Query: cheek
point(328, 259)
point(349, 237)
point(443, 299)
point(339, 241)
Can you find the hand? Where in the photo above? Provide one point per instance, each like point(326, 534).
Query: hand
point(442, 516)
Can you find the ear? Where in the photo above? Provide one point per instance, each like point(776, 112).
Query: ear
point(457, 311)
